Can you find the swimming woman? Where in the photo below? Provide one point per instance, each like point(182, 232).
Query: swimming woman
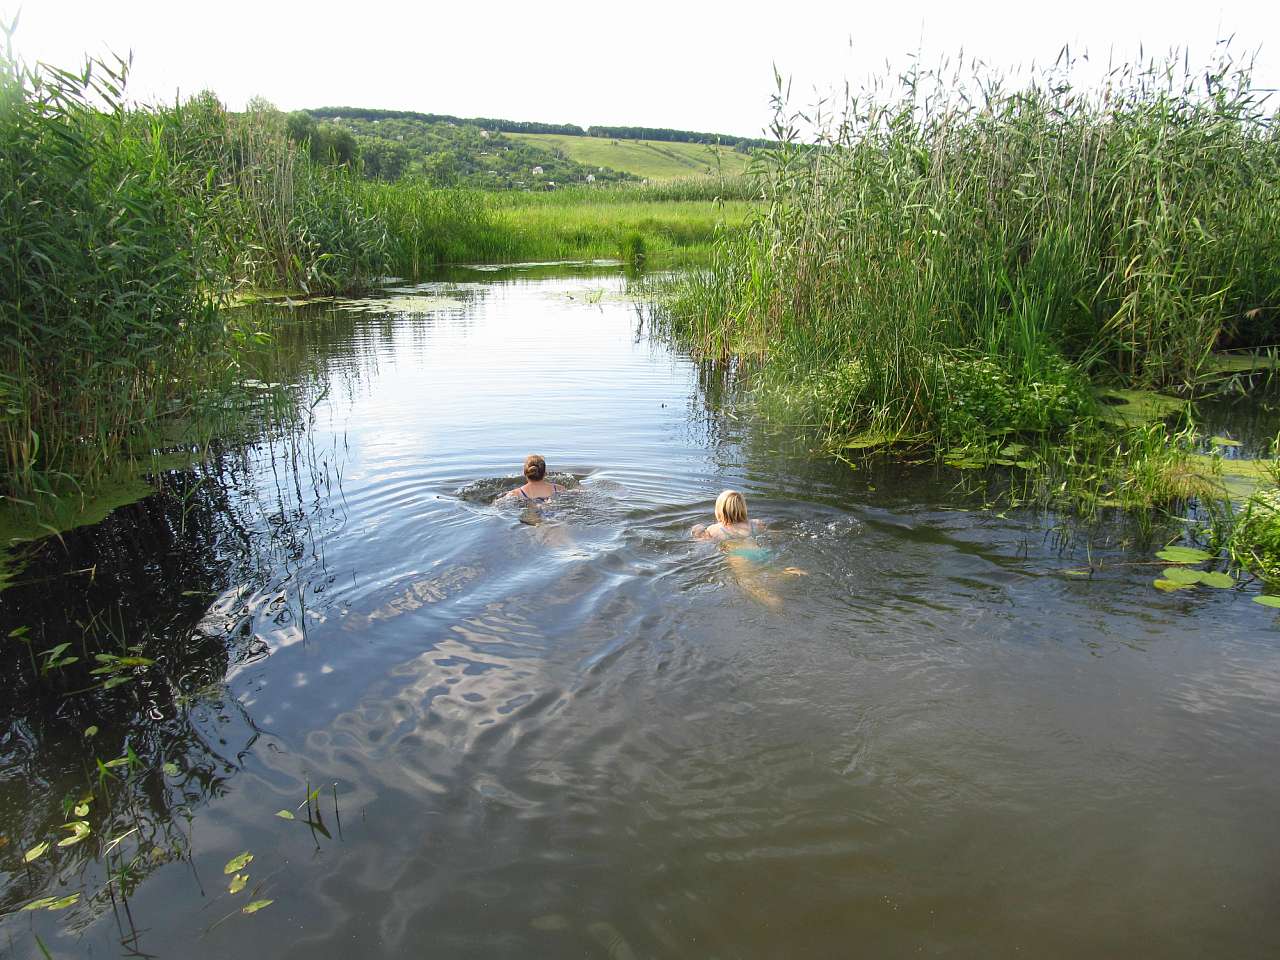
point(735, 531)
point(536, 489)
point(732, 522)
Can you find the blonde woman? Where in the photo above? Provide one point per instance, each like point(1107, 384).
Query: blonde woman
point(735, 531)
point(732, 522)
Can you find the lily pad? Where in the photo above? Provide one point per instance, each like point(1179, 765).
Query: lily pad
point(1215, 579)
point(82, 809)
point(237, 883)
point(1183, 575)
point(285, 815)
point(236, 864)
point(256, 906)
point(1168, 586)
point(1183, 555)
point(1267, 600)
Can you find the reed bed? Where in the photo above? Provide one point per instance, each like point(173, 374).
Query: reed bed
point(954, 258)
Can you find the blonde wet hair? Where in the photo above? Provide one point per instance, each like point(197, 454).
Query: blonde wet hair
point(731, 507)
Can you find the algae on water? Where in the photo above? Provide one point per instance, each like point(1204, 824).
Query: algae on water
point(1129, 407)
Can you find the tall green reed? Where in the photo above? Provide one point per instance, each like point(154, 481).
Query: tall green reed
point(951, 221)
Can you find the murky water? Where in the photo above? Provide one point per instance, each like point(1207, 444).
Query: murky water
point(589, 736)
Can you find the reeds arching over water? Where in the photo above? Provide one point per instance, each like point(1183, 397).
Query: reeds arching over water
point(951, 258)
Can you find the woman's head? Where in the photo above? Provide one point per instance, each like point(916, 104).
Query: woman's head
point(535, 468)
point(731, 507)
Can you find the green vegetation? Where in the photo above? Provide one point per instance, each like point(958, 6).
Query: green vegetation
point(956, 270)
point(123, 232)
point(451, 151)
point(446, 154)
point(650, 159)
point(1254, 540)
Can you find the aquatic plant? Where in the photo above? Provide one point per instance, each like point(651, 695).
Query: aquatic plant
point(1254, 540)
point(953, 253)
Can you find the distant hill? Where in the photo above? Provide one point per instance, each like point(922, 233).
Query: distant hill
point(524, 126)
point(489, 153)
point(650, 159)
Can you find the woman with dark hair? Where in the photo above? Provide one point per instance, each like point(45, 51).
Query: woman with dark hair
point(536, 489)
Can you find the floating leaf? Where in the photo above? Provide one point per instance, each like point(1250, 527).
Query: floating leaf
point(236, 864)
point(1183, 555)
point(79, 830)
point(171, 769)
point(91, 731)
point(82, 809)
point(65, 902)
point(237, 883)
point(35, 852)
point(1182, 575)
point(285, 815)
point(1267, 600)
point(1168, 586)
point(256, 906)
point(1215, 579)
point(41, 903)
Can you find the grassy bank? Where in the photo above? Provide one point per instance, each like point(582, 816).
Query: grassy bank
point(958, 265)
point(666, 225)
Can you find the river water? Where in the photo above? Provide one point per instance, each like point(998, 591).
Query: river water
point(582, 734)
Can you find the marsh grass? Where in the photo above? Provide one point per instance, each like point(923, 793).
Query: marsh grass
point(953, 260)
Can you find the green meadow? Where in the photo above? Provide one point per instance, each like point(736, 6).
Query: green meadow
point(650, 159)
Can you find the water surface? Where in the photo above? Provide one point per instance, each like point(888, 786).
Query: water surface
point(585, 736)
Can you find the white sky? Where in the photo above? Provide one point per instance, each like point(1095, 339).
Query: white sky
point(690, 65)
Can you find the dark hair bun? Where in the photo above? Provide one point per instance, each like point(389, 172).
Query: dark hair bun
point(535, 468)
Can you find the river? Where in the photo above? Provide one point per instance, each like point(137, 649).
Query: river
point(497, 734)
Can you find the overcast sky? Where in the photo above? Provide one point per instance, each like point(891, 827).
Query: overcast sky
point(689, 65)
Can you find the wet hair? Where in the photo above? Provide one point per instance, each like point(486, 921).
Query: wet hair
point(731, 507)
point(535, 468)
